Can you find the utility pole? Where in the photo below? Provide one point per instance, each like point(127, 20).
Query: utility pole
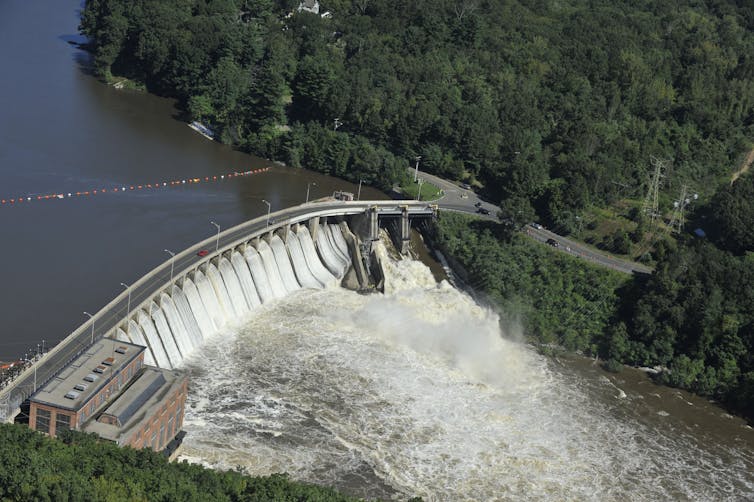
point(679, 208)
point(651, 201)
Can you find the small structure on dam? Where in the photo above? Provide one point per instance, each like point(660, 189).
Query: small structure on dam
point(108, 390)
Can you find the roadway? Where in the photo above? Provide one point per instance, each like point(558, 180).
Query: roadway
point(141, 292)
point(457, 198)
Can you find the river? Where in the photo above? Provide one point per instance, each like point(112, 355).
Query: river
point(413, 392)
point(63, 131)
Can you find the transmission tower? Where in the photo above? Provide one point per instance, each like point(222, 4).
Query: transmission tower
point(651, 201)
point(679, 209)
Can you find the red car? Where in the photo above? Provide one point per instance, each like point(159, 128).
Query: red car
point(203, 252)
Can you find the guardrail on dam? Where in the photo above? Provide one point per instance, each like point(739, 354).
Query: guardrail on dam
point(173, 308)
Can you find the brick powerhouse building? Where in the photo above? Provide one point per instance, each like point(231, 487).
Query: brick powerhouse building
point(109, 391)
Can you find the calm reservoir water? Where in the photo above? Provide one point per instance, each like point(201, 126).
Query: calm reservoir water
point(413, 392)
point(63, 131)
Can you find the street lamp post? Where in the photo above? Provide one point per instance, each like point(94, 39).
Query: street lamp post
point(128, 308)
point(307, 189)
point(172, 262)
point(217, 241)
point(91, 317)
point(358, 194)
point(419, 193)
point(416, 172)
point(268, 211)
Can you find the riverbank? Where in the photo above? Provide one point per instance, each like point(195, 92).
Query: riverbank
point(562, 302)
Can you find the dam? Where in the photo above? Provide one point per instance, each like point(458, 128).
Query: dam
point(174, 308)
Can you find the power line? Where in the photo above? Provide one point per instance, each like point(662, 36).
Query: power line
point(651, 200)
point(679, 208)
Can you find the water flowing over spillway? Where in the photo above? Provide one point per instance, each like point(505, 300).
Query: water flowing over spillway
point(415, 393)
point(225, 290)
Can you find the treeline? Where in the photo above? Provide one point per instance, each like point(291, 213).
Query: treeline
point(82, 467)
point(558, 299)
point(547, 106)
point(694, 317)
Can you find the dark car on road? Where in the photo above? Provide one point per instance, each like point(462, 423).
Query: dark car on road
point(482, 210)
point(553, 243)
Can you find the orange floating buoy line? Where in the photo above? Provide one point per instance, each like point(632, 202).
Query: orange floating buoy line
point(12, 201)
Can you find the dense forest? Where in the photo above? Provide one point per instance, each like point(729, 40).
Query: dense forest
point(82, 467)
point(547, 106)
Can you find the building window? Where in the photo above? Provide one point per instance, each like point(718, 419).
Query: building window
point(43, 421)
point(62, 422)
point(162, 434)
point(130, 372)
point(171, 425)
point(154, 440)
point(102, 398)
point(82, 416)
point(91, 407)
point(138, 364)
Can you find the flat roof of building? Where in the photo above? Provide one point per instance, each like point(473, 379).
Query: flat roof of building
point(137, 404)
point(87, 374)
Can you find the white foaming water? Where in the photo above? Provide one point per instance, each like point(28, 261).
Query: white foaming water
point(416, 393)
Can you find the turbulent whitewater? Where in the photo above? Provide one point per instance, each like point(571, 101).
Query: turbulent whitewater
point(416, 393)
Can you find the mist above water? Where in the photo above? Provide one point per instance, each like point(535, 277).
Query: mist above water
point(415, 392)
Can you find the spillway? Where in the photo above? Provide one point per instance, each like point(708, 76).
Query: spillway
point(166, 336)
point(304, 275)
point(153, 341)
point(181, 318)
point(336, 264)
point(203, 320)
point(271, 269)
point(313, 260)
point(210, 302)
point(259, 273)
point(136, 335)
point(223, 297)
point(284, 265)
point(235, 292)
point(245, 278)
